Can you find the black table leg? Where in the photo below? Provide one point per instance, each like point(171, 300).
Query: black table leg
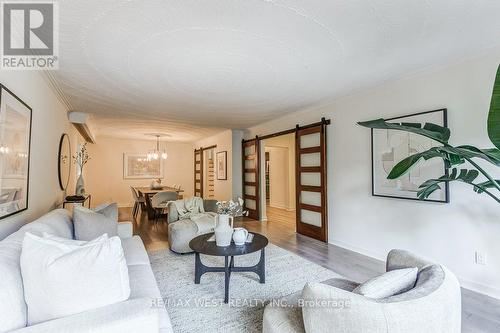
point(226, 278)
point(198, 270)
point(261, 267)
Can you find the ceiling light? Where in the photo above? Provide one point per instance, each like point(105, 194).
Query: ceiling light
point(155, 154)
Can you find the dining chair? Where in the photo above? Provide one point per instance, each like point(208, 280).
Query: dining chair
point(139, 202)
point(159, 203)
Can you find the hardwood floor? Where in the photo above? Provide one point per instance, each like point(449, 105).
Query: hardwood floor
point(479, 313)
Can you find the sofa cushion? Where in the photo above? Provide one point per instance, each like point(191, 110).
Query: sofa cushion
point(135, 253)
point(90, 225)
point(62, 279)
point(57, 222)
point(13, 308)
point(143, 284)
point(388, 284)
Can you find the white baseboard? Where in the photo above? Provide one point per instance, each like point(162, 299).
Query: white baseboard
point(464, 283)
point(479, 288)
point(363, 251)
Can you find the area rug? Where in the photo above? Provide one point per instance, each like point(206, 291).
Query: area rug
point(200, 307)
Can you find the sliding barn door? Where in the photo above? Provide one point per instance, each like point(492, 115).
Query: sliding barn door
point(198, 173)
point(251, 193)
point(310, 164)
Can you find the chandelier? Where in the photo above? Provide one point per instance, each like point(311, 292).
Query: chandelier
point(155, 154)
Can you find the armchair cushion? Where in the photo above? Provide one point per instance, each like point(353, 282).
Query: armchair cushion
point(388, 284)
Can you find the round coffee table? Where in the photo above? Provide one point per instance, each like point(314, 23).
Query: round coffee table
point(201, 245)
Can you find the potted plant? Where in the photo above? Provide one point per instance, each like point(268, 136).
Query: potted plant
point(81, 158)
point(227, 211)
point(454, 157)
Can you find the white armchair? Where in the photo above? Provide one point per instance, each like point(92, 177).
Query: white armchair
point(433, 305)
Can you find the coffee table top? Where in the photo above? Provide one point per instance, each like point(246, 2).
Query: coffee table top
point(201, 245)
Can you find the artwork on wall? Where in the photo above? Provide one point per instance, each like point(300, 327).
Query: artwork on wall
point(222, 165)
point(15, 138)
point(389, 147)
point(137, 166)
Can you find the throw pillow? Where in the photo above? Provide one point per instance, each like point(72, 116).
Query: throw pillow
point(62, 279)
point(72, 242)
point(109, 210)
point(90, 225)
point(388, 284)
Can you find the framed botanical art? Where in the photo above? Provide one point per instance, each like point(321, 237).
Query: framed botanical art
point(137, 166)
point(15, 140)
point(389, 147)
point(222, 165)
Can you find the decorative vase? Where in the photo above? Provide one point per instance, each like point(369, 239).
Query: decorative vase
point(240, 236)
point(224, 230)
point(80, 186)
point(156, 184)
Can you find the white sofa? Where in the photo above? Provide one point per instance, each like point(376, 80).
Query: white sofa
point(432, 306)
point(138, 314)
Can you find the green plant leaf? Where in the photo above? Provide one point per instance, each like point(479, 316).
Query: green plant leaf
point(490, 155)
point(432, 131)
point(406, 164)
point(432, 185)
point(494, 114)
point(485, 185)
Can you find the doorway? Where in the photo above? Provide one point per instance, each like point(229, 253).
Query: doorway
point(204, 173)
point(310, 191)
point(209, 172)
point(278, 199)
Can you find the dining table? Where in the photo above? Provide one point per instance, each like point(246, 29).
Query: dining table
point(147, 192)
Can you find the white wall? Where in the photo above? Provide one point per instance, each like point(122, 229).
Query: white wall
point(287, 142)
point(446, 233)
point(278, 177)
point(237, 164)
point(104, 172)
point(49, 121)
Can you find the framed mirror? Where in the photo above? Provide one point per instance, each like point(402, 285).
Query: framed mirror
point(64, 161)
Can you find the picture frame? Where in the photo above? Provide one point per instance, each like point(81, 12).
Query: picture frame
point(15, 153)
point(388, 147)
point(221, 161)
point(137, 166)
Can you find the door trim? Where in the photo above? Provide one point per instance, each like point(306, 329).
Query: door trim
point(323, 189)
point(252, 213)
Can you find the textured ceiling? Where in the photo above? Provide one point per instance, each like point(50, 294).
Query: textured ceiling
point(192, 67)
